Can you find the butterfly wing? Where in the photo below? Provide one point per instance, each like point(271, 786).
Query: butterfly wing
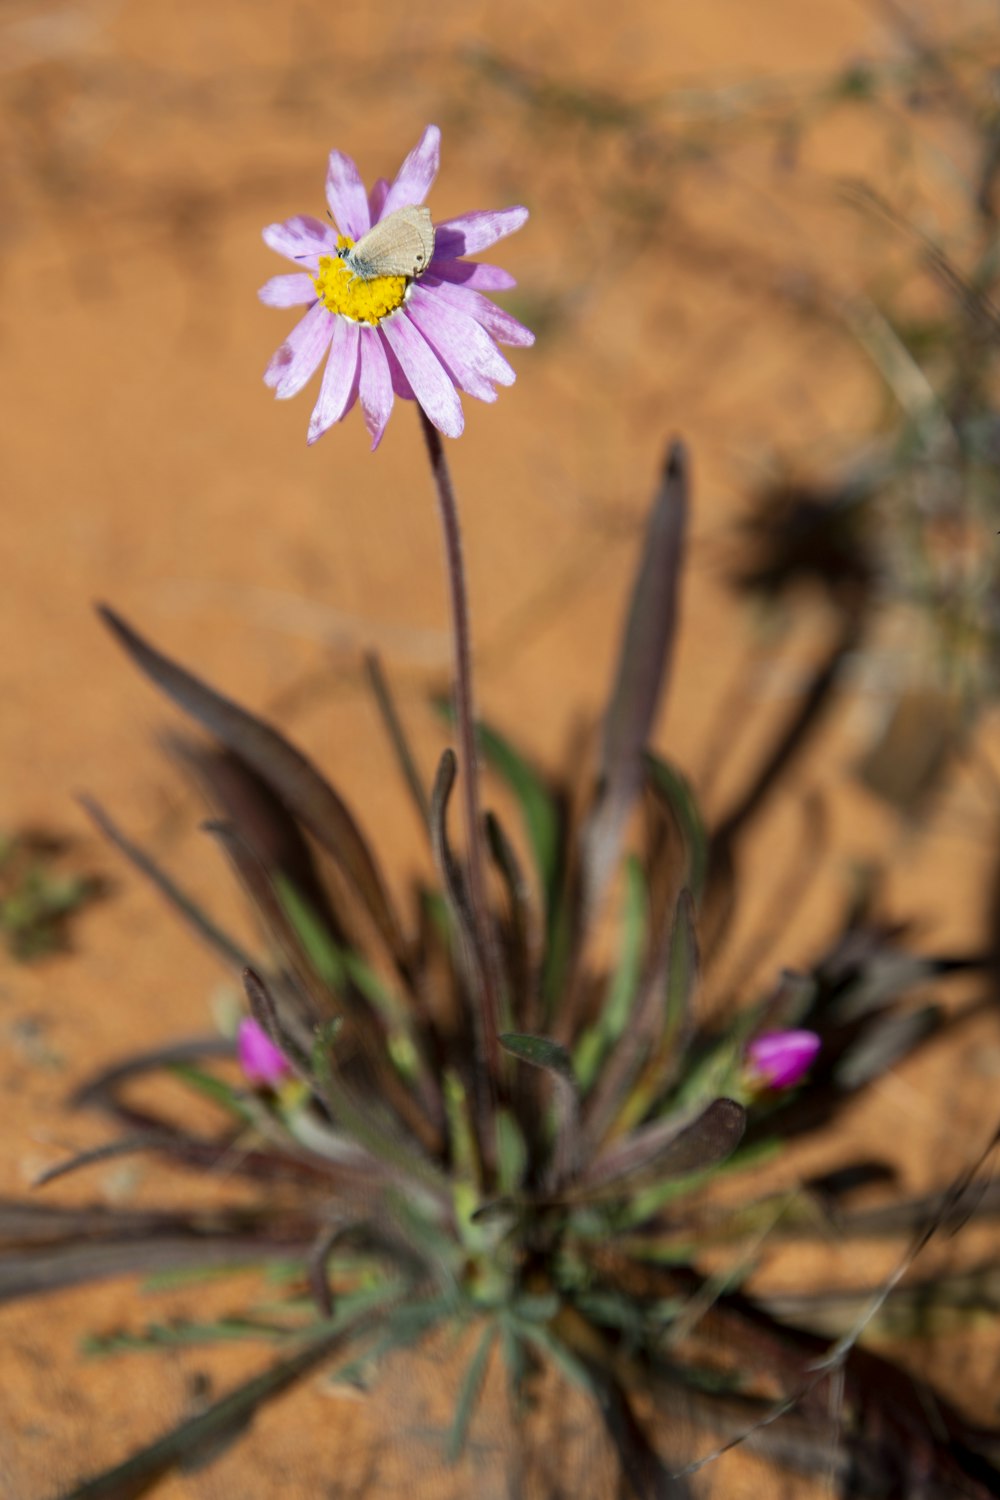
point(401, 245)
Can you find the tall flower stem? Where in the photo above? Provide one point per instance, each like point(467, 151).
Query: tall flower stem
point(487, 1016)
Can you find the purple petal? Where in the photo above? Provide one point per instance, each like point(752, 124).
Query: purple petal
point(377, 197)
point(302, 238)
point(345, 193)
point(260, 1059)
point(467, 353)
point(416, 175)
point(297, 359)
point(781, 1058)
point(400, 385)
point(422, 368)
point(472, 273)
point(339, 389)
point(375, 385)
point(288, 291)
point(499, 325)
point(477, 231)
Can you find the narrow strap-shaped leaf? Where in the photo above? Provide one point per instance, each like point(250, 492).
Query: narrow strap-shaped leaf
point(538, 806)
point(299, 1020)
point(883, 1043)
point(647, 1474)
point(56, 1247)
point(615, 1097)
point(472, 961)
point(397, 736)
point(554, 1059)
point(539, 809)
point(232, 1412)
point(301, 787)
point(614, 1016)
point(240, 796)
point(187, 908)
point(665, 1014)
point(642, 671)
point(319, 1283)
point(522, 961)
point(308, 1001)
point(132, 1145)
point(447, 866)
point(674, 788)
point(469, 1392)
point(98, 1090)
point(673, 1147)
point(378, 1137)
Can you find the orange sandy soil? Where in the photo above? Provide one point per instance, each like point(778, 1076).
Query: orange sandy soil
point(143, 148)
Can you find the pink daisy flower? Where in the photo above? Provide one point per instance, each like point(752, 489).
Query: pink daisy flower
point(423, 337)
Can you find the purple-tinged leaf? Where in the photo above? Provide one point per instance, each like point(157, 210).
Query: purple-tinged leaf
point(523, 939)
point(192, 1440)
point(673, 788)
point(290, 774)
point(641, 674)
point(672, 1147)
point(376, 1131)
point(319, 1254)
point(242, 798)
point(540, 811)
point(447, 865)
point(470, 959)
point(128, 1146)
point(397, 736)
point(554, 1060)
point(98, 1090)
point(647, 1474)
point(190, 912)
point(57, 1247)
point(641, 1067)
point(37, 1272)
point(307, 1001)
point(883, 1043)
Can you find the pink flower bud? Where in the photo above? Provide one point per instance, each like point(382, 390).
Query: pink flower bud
point(780, 1058)
point(260, 1059)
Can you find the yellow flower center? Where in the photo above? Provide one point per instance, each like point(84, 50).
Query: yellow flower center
point(361, 301)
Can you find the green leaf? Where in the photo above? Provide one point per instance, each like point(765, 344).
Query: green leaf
point(469, 1392)
point(512, 1154)
point(676, 791)
point(323, 953)
point(540, 1052)
point(539, 809)
point(184, 1334)
point(596, 1040)
point(213, 1088)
